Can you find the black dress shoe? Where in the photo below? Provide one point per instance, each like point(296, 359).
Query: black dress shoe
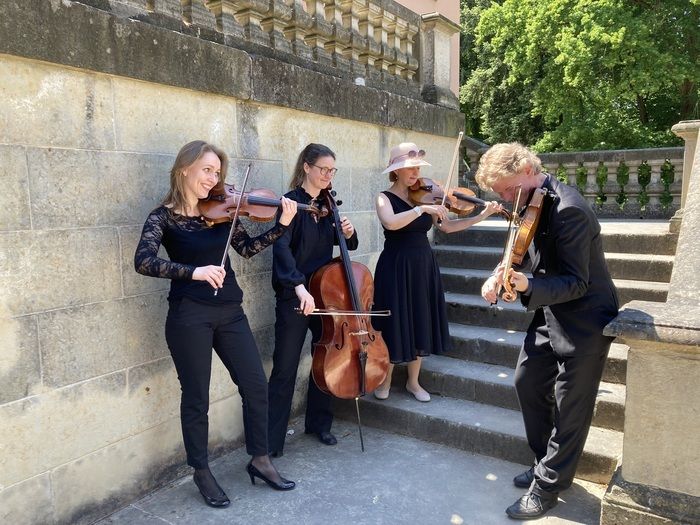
point(213, 494)
point(253, 472)
point(524, 480)
point(324, 437)
point(276, 454)
point(531, 506)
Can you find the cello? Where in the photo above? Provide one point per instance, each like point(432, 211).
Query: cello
point(351, 358)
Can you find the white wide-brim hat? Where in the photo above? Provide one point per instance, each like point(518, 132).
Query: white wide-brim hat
point(405, 155)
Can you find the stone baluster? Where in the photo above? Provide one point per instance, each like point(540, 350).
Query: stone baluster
point(412, 62)
point(278, 19)
point(195, 13)
point(169, 8)
point(224, 11)
point(340, 39)
point(401, 61)
point(351, 22)
point(249, 14)
point(382, 28)
point(320, 33)
point(369, 14)
point(297, 29)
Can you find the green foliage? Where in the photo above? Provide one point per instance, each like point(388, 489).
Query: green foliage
point(644, 178)
point(579, 74)
point(623, 178)
point(581, 177)
point(667, 177)
point(561, 174)
point(601, 179)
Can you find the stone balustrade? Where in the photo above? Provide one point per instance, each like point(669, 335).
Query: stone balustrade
point(371, 42)
point(617, 183)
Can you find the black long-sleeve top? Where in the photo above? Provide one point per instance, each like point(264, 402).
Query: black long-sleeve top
point(190, 243)
point(304, 247)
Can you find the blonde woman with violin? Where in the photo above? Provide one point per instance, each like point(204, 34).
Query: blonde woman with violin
point(407, 276)
point(199, 320)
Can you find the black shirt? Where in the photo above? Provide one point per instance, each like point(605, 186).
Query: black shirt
point(190, 243)
point(304, 247)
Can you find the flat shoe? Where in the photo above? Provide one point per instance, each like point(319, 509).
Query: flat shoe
point(531, 505)
point(381, 394)
point(421, 395)
point(324, 437)
point(524, 479)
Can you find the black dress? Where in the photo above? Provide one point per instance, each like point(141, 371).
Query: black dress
point(407, 282)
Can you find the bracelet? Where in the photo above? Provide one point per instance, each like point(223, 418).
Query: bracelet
point(418, 210)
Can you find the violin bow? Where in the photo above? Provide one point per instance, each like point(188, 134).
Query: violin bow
point(452, 168)
point(235, 218)
point(507, 256)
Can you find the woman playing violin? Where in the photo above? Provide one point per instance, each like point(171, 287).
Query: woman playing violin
point(199, 320)
point(306, 246)
point(407, 277)
point(573, 298)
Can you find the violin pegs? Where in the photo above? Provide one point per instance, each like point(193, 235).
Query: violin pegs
point(334, 193)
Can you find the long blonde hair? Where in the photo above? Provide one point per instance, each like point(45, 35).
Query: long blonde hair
point(188, 155)
point(503, 161)
point(309, 155)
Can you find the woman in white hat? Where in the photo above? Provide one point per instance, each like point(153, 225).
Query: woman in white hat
point(407, 277)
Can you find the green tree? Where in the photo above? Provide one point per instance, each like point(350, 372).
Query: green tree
point(581, 74)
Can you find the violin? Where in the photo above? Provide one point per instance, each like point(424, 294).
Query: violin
point(519, 238)
point(258, 205)
point(461, 201)
point(351, 357)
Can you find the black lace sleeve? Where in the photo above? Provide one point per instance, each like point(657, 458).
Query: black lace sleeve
point(247, 246)
point(146, 260)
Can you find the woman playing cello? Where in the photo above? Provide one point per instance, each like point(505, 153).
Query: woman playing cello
point(305, 247)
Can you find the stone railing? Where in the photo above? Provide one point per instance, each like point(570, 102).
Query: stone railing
point(369, 42)
point(617, 183)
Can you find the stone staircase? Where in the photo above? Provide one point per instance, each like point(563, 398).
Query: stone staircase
point(474, 406)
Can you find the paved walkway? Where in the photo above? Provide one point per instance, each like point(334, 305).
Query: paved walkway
point(398, 480)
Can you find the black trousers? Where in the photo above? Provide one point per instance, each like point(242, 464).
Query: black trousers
point(192, 329)
point(557, 396)
point(290, 333)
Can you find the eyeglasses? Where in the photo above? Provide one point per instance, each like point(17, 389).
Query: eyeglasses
point(325, 171)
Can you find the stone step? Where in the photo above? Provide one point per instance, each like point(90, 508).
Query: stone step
point(629, 266)
point(497, 346)
point(493, 385)
point(473, 310)
point(477, 428)
point(469, 281)
point(618, 236)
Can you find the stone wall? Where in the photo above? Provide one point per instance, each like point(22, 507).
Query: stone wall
point(95, 106)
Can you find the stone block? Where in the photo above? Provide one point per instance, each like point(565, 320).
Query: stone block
point(28, 502)
point(77, 188)
point(14, 198)
point(97, 484)
point(88, 341)
point(175, 117)
point(80, 36)
point(47, 105)
point(366, 224)
point(58, 268)
point(40, 432)
point(20, 367)
point(134, 283)
point(258, 299)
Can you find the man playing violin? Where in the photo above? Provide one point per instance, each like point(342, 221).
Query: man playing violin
point(573, 297)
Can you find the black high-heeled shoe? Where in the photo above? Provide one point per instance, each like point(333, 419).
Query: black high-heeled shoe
point(255, 473)
point(213, 494)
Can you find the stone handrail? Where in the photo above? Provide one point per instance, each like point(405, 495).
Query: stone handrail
point(370, 42)
point(618, 183)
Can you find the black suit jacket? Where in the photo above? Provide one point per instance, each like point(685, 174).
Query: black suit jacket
point(571, 282)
